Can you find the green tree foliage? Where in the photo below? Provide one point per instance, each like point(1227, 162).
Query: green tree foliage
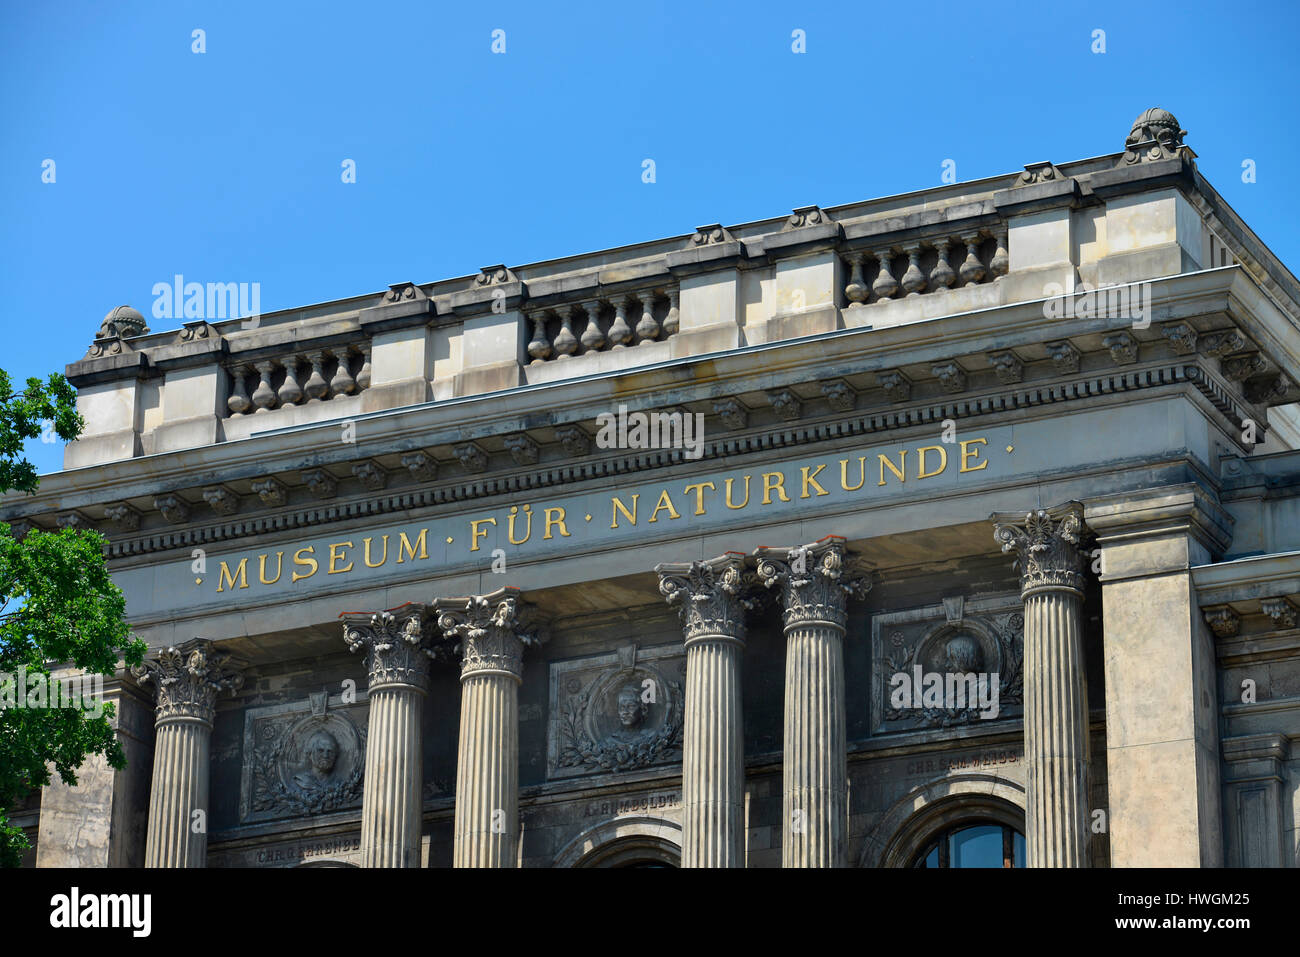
point(57, 605)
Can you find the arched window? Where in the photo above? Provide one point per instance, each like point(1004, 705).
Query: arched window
point(974, 844)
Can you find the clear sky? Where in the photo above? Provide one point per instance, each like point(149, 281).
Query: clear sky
point(226, 165)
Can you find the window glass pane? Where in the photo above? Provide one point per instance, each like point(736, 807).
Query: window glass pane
point(976, 847)
point(1018, 848)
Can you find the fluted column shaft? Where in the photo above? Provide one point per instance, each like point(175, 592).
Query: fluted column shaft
point(487, 772)
point(176, 836)
point(814, 592)
point(392, 800)
point(492, 631)
point(188, 680)
point(1055, 682)
point(815, 785)
point(712, 599)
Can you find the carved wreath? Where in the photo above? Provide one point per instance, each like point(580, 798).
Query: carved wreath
point(1011, 686)
point(580, 750)
point(270, 793)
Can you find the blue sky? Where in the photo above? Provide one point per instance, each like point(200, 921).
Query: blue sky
point(225, 166)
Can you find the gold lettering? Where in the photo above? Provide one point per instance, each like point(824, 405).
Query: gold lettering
point(241, 570)
point(337, 555)
point(779, 485)
point(366, 542)
point(620, 507)
point(510, 524)
point(404, 545)
point(844, 474)
point(699, 488)
point(812, 480)
point(886, 463)
point(727, 492)
point(972, 453)
point(943, 460)
point(298, 560)
point(261, 568)
point(564, 531)
point(477, 532)
point(664, 502)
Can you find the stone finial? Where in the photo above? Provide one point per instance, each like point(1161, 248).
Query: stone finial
point(1047, 546)
point(1043, 172)
point(188, 679)
point(394, 645)
point(122, 322)
point(1156, 135)
point(491, 630)
point(712, 596)
point(404, 292)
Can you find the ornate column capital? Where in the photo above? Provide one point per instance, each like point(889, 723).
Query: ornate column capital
point(712, 596)
point(816, 581)
point(394, 646)
point(491, 631)
point(1047, 547)
point(188, 678)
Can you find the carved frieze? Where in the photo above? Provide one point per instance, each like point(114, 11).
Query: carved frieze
point(303, 758)
point(618, 711)
point(982, 636)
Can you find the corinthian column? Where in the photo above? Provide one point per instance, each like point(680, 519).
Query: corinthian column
point(397, 660)
point(188, 680)
point(1046, 543)
point(492, 631)
point(712, 602)
point(814, 593)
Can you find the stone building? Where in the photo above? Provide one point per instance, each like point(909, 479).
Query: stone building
point(954, 528)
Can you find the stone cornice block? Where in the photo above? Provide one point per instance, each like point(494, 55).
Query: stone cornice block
point(1048, 194)
point(108, 368)
point(808, 230)
point(949, 221)
point(1131, 517)
point(1143, 177)
point(707, 256)
point(404, 305)
point(204, 345)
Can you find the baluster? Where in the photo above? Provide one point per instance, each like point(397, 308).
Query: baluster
point(885, 285)
point(566, 343)
point(856, 291)
point(238, 402)
point(1001, 261)
point(620, 333)
point(363, 377)
point(290, 391)
point(647, 328)
point(942, 276)
point(972, 270)
point(264, 395)
point(316, 387)
point(342, 383)
point(539, 348)
point(672, 321)
point(592, 337)
point(913, 279)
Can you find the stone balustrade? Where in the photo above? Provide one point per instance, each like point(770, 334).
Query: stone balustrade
point(925, 266)
point(597, 325)
point(266, 384)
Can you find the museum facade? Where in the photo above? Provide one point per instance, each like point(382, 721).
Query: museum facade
point(955, 528)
